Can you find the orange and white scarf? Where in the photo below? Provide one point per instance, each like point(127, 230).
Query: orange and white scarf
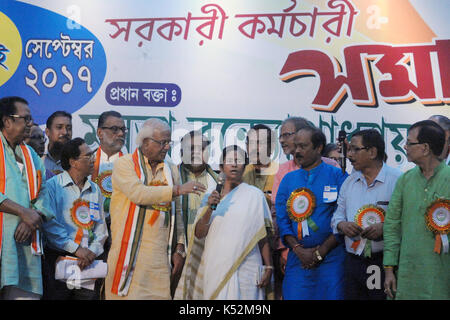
point(34, 183)
point(132, 233)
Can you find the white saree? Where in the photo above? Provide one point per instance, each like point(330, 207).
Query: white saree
point(228, 267)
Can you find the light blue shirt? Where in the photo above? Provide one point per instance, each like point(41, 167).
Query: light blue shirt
point(60, 233)
point(355, 193)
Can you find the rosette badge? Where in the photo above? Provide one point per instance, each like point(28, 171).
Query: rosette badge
point(437, 219)
point(367, 216)
point(105, 183)
point(81, 217)
point(300, 206)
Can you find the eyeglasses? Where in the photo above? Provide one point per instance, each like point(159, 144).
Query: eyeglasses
point(162, 144)
point(115, 129)
point(286, 135)
point(413, 143)
point(27, 118)
point(356, 149)
point(88, 156)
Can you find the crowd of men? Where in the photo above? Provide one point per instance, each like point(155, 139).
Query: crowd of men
point(374, 234)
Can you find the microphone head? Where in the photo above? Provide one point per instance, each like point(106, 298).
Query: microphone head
point(342, 135)
point(221, 178)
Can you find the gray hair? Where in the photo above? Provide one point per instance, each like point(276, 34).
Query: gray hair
point(443, 121)
point(148, 127)
point(298, 122)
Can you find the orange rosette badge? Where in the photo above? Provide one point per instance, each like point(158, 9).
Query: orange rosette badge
point(437, 218)
point(80, 214)
point(300, 206)
point(104, 182)
point(367, 215)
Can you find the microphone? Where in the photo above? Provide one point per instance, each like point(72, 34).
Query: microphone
point(341, 139)
point(219, 186)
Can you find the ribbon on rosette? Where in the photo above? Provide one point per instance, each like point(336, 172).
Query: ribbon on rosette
point(437, 218)
point(367, 215)
point(81, 217)
point(300, 206)
point(104, 182)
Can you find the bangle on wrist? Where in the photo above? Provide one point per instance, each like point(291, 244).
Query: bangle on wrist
point(297, 245)
point(388, 267)
point(268, 267)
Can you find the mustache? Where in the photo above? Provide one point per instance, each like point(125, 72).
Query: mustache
point(66, 137)
point(298, 156)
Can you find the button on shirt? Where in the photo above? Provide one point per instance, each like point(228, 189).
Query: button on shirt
point(60, 233)
point(355, 193)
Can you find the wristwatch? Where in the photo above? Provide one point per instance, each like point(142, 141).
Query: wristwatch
point(319, 257)
point(181, 253)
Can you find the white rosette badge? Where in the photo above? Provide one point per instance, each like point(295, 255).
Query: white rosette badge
point(367, 216)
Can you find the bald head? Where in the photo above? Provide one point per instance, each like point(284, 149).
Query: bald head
point(444, 123)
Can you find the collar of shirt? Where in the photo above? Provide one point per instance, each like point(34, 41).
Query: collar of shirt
point(105, 159)
point(66, 180)
point(8, 148)
point(49, 156)
point(191, 174)
point(381, 176)
point(159, 166)
point(439, 168)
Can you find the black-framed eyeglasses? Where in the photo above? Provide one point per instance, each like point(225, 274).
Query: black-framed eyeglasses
point(115, 129)
point(27, 118)
point(164, 143)
point(286, 135)
point(357, 149)
point(413, 143)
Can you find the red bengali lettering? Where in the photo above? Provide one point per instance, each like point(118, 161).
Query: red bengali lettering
point(405, 74)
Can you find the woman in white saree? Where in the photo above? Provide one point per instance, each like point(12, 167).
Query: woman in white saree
point(236, 261)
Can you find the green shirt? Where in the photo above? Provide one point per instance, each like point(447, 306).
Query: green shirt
point(409, 244)
point(18, 266)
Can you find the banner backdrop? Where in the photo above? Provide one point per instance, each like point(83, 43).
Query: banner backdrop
point(224, 66)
